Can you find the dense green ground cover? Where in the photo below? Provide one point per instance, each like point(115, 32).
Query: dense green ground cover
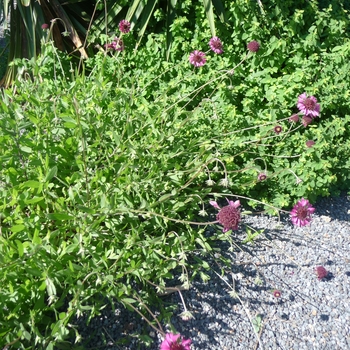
point(107, 172)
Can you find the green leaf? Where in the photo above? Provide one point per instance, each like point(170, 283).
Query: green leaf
point(17, 228)
point(208, 7)
point(31, 184)
point(257, 323)
point(170, 15)
point(52, 173)
point(128, 300)
point(132, 9)
point(33, 200)
point(26, 149)
point(50, 287)
point(20, 247)
point(219, 7)
point(60, 216)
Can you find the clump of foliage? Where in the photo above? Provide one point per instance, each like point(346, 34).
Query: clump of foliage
point(106, 175)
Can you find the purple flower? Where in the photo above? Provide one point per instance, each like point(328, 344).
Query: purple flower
point(308, 105)
point(228, 216)
point(216, 45)
point(306, 120)
point(310, 143)
point(253, 46)
point(197, 58)
point(175, 342)
point(277, 293)
point(124, 26)
point(294, 118)
point(262, 177)
point(321, 272)
point(277, 129)
point(301, 213)
point(45, 26)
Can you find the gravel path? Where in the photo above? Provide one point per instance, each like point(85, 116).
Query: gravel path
point(309, 314)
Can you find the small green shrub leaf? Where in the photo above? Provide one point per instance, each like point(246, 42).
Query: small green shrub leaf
point(60, 216)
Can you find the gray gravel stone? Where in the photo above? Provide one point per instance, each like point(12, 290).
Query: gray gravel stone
point(310, 314)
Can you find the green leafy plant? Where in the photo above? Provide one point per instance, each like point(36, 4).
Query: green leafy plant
point(108, 169)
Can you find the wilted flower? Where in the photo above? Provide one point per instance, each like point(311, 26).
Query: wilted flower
point(197, 58)
point(124, 26)
point(308, 105)
point(262, 177)
point(117, 45)
point(306, 120)
point(224, 182)
point(276, 293)
point(301, 213)
point(310, 143)
point(45, 26)
point(216, 45)
point(202, 213)
point(321, 272)
point(228, 216)
point(210, 182)
point(277, 129)
point(294, 118)
point(175, 342)
point(186, 315)
point(253, 46)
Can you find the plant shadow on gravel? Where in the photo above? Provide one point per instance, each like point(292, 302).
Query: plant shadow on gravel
point(213, 304)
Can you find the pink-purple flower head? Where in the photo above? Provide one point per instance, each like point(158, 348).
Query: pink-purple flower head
point(308, 105)
point(306, 120)
point(197, 58)
point(175, 342)
point(229, 215)
point(216, 45)
point(45, 26)
point(294, 118)
point(262, 176)
point(321, 272)
point(124, 26)
point(277, 129)
point(301, 213)
point(277, 293)
point(253, 46)
point(310, 143)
